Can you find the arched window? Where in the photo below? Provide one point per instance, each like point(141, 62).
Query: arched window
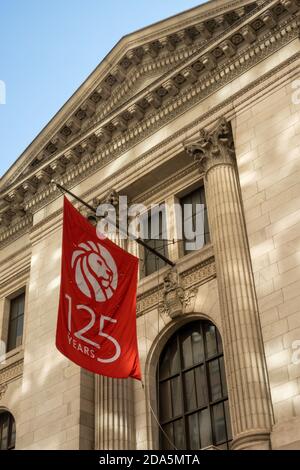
point(192, 391)
point(7, 431)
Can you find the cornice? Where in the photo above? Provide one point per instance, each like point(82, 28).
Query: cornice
point(134, 81)
point(91, 137)
point(100, 191)
point(17, 255)
point(15, 277)
point(192, 95)
point(167, 59)
point(209, 83)
point(16, 230)
point(110, 73)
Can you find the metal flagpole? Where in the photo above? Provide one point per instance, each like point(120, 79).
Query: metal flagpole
point(131, 236)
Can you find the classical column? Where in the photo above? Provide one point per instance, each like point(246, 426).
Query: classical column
point(248, 390)
point(114, 410)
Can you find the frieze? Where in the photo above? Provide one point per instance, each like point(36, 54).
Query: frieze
point(87, 167)
point(102, 88)
point(89, 108)
point(204, 271)
point(11, 372)
point(177, 106)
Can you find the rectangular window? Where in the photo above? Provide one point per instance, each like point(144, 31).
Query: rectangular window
point(154, 233)
point(16, 322)
point(195, 220)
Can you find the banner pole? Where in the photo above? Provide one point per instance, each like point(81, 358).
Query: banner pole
point(132, 237)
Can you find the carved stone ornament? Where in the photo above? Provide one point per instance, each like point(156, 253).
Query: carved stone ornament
point(173, 295)
point(112, 197)
point(189, 299)
point(3, 389)
point(213, 147)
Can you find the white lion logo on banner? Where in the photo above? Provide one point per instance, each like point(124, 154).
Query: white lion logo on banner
point(96, 272)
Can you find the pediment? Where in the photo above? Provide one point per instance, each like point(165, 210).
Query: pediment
point(137, 61)
point(145, 82)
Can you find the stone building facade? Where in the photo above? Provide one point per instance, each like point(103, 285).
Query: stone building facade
point(206, 99)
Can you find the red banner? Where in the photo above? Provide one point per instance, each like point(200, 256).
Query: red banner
point(96, 326)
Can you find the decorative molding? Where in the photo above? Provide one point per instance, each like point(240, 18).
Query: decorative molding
point(189, 299)
point(16, 254)
point(124, 60)
point(57, 142)
point(202, 272)
point(188, 281)
point(11, 372)
point(15, 231)
point(173, 295)
point(89, 165)
point(212, 147)
point(17, 275)
point(177, 106)
point(3, 389)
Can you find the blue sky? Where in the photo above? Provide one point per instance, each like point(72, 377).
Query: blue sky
point(49, 47)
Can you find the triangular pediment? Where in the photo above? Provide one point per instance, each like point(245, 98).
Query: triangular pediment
point(137, 61)
point(149, 79)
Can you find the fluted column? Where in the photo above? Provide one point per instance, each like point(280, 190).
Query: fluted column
point(114, 418)
point(248, 390)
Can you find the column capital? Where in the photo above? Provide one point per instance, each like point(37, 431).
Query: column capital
point(213, 146)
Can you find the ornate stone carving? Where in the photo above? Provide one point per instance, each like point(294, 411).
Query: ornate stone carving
point(3, 389)
point(103, 134)
point(29, 188)
point(57, 167)
point(42, 177)
point(173, 295)
point(136, 111)
point(11, 372)
point(242, 61)
point(290, 5)
point(213, 146)
point(201, 273)
point(189, 299)
point(112, 197)
point(188, 285)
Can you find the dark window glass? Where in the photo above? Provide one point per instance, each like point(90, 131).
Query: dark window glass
point(154, 232)
point(192, 391)
point(215, 380)
point(211, 340)
point(168, 437)
point(200, 429)
point(219, 423)
point(16, 322)
point(7, 431)
point(191, 212)
point(169, 362)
